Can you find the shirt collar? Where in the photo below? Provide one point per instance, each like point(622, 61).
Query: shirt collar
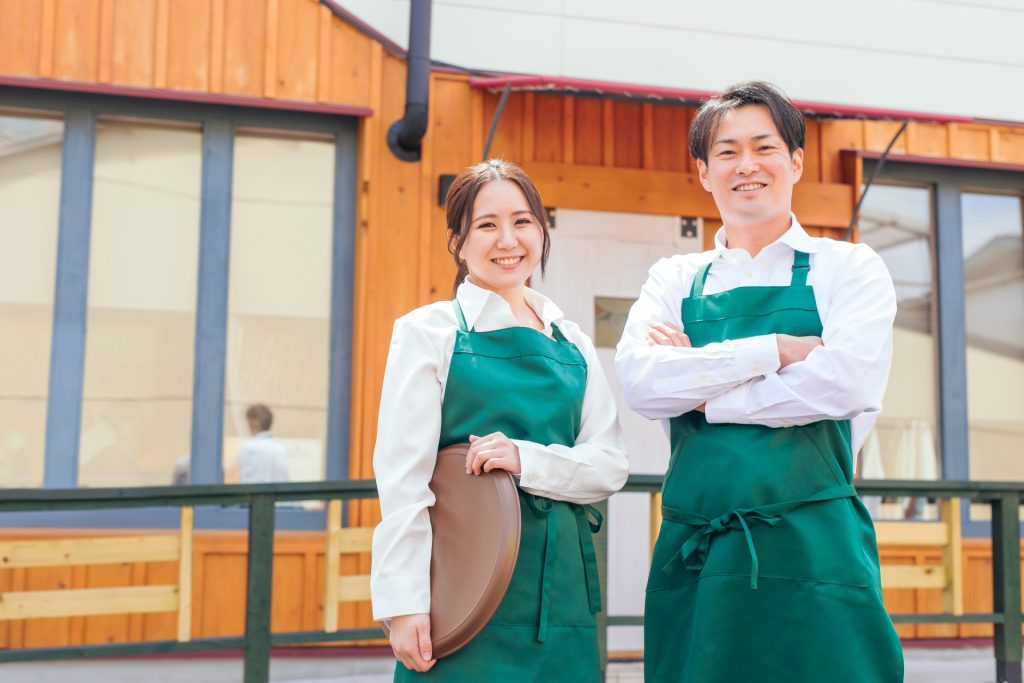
point(487, 308)
point(796, 238)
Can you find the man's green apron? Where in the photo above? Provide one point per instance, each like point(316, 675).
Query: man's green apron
point(519, 382)
point(766, 565)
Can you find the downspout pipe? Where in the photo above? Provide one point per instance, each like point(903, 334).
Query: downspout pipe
point(405, 136)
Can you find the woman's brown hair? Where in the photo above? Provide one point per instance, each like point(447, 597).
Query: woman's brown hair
point(462, 195)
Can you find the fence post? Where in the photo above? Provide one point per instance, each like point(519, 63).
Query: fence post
point(258, 590)
point(1006, 586)
point(601, 548)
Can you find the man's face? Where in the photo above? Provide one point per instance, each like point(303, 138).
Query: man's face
point(750, 172)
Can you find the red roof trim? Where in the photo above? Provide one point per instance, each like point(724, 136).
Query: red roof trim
point(580, 85)
point(897, 158)
point(186, 96)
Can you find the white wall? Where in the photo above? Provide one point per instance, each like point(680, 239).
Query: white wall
point(962, 57)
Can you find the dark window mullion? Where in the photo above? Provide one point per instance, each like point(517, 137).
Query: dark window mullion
point(212, 303)
point(339, 399)
point(952, 327)
point(67, 350)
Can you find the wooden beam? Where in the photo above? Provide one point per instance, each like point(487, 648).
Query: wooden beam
point(351, 540)
point(353, 588)
point(911, 533)
point(88, 602)
point(655, 519)
point(671, 193)
point(953, 557)
point(185, 575)
point(913, 576)
point(332, 559)
point(110, 550)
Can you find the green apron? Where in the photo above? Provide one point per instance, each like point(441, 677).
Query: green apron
point(519, 382)
point(766, 565)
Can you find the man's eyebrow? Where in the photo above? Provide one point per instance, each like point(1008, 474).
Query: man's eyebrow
point(730, 141)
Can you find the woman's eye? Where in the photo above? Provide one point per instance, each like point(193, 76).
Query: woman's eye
point(484, 226)
point(523, 221)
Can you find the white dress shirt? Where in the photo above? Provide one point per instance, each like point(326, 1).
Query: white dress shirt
point(262, 459)
point(740, 379)
point(409, 429)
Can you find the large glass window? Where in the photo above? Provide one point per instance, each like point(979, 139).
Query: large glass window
point(279, 309)
point(897, 222)
point(30, 165)
point(994, 302)
point(137, 406)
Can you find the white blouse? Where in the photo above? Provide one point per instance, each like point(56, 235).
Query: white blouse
point(740, 379)
point(409, 428)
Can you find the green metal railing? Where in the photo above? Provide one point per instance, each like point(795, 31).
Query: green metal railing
point(1003, 497)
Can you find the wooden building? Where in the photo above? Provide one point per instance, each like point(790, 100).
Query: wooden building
point(260, 124)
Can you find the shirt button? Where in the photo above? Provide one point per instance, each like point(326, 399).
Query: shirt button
point(750, 274)
point(703, 379)
point(758, 367)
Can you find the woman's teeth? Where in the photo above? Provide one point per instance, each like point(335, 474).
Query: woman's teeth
point(510, 261)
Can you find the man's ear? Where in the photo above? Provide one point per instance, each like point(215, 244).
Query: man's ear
point(798, 165)
point(702, 173)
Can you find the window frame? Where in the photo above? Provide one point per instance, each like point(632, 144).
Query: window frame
point(948, 182)
point(218, 123)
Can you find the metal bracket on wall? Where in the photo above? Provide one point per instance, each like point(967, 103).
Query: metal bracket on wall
point(689, 226)
point(444, 182)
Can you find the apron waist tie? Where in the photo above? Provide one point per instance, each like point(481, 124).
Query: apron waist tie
point(542, 508)
point(694, 552)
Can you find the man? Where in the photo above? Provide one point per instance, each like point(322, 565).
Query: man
point(759, 354)
point(261, 458)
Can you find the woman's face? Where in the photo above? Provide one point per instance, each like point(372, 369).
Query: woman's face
point(505, 241)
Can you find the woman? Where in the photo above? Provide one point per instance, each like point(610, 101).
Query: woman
point(500, 368)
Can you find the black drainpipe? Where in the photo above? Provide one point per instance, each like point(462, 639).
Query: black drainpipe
point(405, 136)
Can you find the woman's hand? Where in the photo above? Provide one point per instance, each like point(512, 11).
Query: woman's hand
point(667, 334)
point(410, 639)
point(492, 452)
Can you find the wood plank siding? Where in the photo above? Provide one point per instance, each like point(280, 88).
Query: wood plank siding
point(584, 152)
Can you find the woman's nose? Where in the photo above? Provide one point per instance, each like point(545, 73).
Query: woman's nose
point(507, 239)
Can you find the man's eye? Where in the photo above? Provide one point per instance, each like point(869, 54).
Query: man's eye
point(767, 147)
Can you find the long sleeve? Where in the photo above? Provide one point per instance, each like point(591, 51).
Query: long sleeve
point(665, 381)
point(596, 466)
point(409, 426)
point(840, 380)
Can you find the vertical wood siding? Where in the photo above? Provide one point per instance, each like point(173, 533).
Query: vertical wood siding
point(585, 152)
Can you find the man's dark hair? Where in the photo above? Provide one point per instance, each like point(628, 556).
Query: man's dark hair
point(261, 415)
point(787, 118)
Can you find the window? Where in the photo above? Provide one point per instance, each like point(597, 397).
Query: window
point(279, 309)
point(896, 221)
point(137, 406)
point(30, 167)
point(994, 303)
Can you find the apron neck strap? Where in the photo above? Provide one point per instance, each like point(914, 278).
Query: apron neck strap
point(801, 264)
point(697, 288)
point(459, 316)
point(557, 333)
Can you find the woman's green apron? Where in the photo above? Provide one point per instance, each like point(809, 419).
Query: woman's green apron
point(519, 382)
point(766, 565)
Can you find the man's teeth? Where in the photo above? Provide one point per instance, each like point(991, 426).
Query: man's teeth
point(750, 186)
point(510, 261)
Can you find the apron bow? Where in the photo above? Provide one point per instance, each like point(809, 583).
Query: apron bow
point(694, 552)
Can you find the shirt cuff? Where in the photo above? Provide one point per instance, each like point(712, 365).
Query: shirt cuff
point(400, 595)
point(760, 356)
point(727, 408)
point(531, 459)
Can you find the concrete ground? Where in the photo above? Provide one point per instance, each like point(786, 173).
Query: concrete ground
point(924, 665)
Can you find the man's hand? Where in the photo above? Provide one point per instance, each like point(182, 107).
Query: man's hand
point(410, 639)
point(667, 334)
point(795, 349)
point(492, 452)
